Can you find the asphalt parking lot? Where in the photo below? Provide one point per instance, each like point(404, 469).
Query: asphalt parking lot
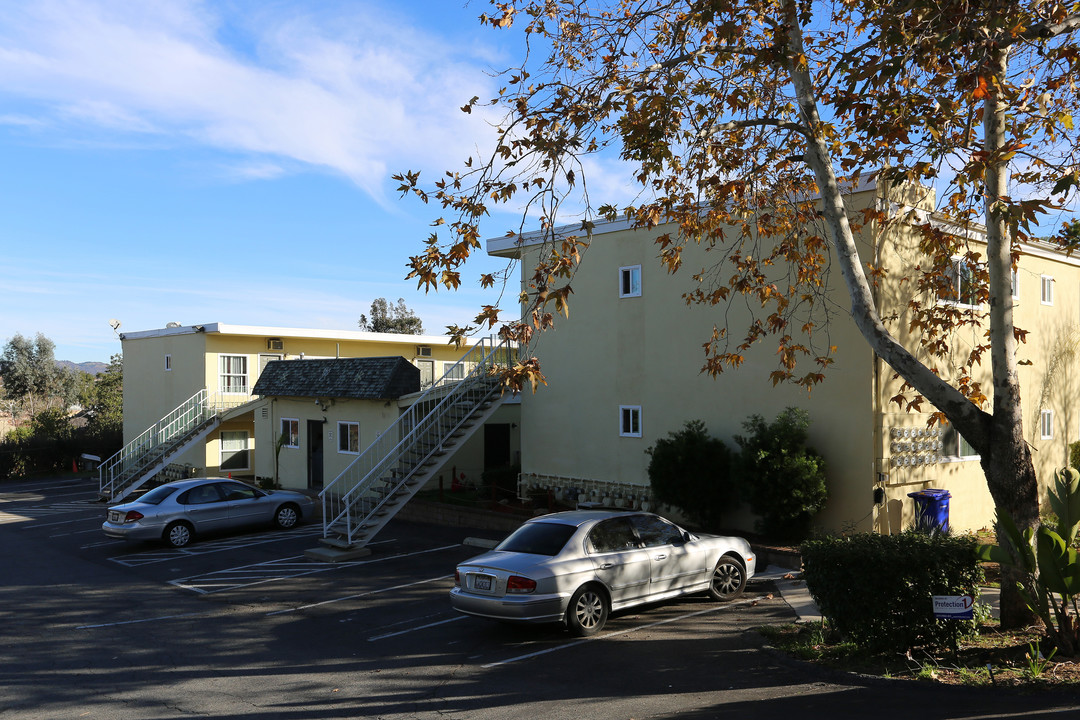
point(242, 625)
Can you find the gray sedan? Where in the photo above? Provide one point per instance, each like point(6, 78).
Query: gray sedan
point(175, 512)
point(577, 567)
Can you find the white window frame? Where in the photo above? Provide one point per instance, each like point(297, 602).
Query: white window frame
point(291, 433)
point(1015, 283)
point(630, 421)
point(957, 268)
point(345, 435)
point(225, 454)
point(954, 448)
point(457, 368)
point(228, 375)
point(1046, 289)
point(1046, 424)
point(630, 281)
point(168, 363)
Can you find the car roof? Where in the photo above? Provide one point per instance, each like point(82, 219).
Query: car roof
point(580, 517)
point(192, 482)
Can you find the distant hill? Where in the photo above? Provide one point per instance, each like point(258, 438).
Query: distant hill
point(88, 367)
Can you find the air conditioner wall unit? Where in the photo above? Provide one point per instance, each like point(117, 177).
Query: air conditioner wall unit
point(423, 350)
point(275, 344)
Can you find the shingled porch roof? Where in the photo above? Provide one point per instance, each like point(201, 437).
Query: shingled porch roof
point(367, 378)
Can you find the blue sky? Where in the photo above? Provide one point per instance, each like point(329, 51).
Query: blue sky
point(229, 161)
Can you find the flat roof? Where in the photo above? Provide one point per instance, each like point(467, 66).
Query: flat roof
point(285, 332)
point(510, 245)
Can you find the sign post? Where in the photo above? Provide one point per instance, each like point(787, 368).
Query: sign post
point(954, 607)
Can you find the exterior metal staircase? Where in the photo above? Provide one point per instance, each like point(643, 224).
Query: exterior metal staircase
point(368, 493)
point(145, 456)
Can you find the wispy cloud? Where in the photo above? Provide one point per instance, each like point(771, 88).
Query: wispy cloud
point(349, 91)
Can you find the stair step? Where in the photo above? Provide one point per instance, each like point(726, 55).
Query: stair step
point(338, 542)
point(331, 555)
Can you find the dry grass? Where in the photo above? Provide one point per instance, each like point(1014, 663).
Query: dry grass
point(992, 658)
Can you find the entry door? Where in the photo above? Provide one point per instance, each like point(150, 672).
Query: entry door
point(427, 372)
point(314, 454)
point(496, 446)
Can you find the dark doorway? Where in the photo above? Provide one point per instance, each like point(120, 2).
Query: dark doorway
point(314, 454)
point(496, 446)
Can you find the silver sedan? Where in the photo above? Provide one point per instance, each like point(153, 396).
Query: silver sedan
point(178, 511)
point(577, 567)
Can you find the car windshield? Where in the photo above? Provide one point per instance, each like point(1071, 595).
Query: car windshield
point(155, 496)
point(538, 538)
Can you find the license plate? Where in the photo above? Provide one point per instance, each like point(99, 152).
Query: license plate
point(114, 517)
point(482, 582)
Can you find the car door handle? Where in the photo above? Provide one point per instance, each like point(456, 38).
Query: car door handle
point(607, 566)
point(661, 556)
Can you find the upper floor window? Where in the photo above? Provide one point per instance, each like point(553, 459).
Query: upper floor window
point(168, 363)
point(963, 283)
point(630, 281)
point(233, 373)
point(630, 420)
point(290, 432)
point(1015, 284)
point(348, 437)
point(1047, 290)
point(455, 371)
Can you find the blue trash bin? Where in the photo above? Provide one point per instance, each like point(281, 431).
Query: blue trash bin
point(931, 510)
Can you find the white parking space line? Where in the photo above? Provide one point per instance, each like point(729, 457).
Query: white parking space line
point(605, 636)
point(274, 570)
point(43, 511)
point(420, 627)
point(205, 548)
point(76, 532)
point(142, 620)
point(103, 543)
point(367, 593)
point(40, 484)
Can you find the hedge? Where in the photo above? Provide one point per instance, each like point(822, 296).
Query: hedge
point(875, 590)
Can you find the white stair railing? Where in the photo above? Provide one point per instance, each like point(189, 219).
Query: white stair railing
point(124, 468)
point(385, 475)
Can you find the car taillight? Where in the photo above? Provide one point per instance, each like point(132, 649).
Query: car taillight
point(457, 578)
point(132, 516)
point(518, 584)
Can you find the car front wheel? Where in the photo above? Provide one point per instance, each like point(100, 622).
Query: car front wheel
point(728, 580)
point(179, 534)
point(588, 611)
point(287, 516)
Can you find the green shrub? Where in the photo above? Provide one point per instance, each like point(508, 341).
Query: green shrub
point(692, 471)
point(1074, 454)
point(782, 477)
point(876, 589)
point(1048, 562)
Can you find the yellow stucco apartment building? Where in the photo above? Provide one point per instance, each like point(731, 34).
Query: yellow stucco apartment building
point(624, 370)
point(303, 435)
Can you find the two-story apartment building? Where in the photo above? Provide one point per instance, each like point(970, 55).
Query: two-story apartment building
point(219, 366)
point(625, 369)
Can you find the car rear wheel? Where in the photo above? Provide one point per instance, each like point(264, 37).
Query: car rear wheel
point(728, 580)
point(179, 534)
point(588, 611)
point(287, 516)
